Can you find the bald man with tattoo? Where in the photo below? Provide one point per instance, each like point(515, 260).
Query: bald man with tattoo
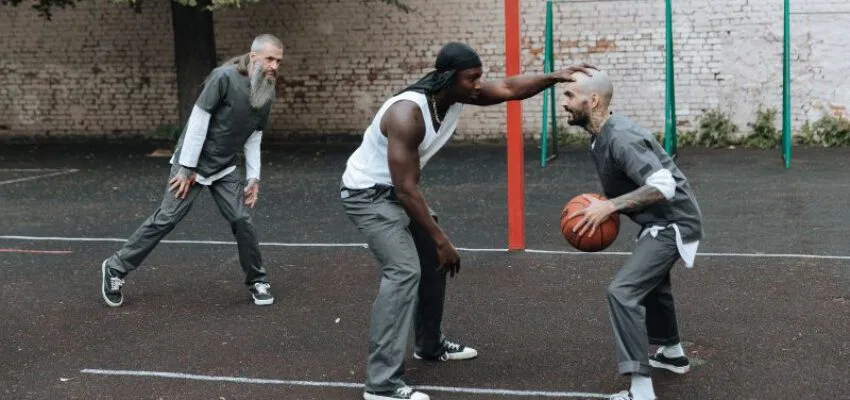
point(643, 183)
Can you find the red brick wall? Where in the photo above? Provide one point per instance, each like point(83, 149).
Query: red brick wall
point(102, 69)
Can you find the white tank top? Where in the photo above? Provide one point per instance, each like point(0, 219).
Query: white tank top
point(368, 165)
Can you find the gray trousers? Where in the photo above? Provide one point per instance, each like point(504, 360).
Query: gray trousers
point(412, 290)
point(228, 194)
point(640, 302)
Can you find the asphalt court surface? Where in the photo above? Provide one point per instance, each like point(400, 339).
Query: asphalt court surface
point(764, 313)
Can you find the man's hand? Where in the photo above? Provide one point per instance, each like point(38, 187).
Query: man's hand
point(181, 182)
point(565, 75)
point(448, 258)
point(252, 192)
point(594, 214)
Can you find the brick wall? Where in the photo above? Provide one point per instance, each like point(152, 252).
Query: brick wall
point(101, 69)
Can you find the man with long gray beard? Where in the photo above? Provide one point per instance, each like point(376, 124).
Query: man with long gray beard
point(230, 115)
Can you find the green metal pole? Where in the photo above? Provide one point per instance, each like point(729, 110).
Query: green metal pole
point(670, 98)
point(551, 61)
point(786, 87)
point(547, 57)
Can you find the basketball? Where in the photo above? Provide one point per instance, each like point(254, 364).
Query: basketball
point(605, 233)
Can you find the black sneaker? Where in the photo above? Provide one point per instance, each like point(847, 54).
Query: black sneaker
point(405, 392)
point(260, 293)
point(110, 287)
point(452, 352)
point(679, 365)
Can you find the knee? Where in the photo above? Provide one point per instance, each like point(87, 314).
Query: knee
point(619, 293)
point(241, 221)
point(411, 275)
point(165, 220)
point(405, 273)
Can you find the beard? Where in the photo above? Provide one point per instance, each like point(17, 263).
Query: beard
point(262, 87)
point(580, 118)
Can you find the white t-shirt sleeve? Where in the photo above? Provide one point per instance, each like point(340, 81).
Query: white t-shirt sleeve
point(664, 182)
point(196, 134)
point(252, 155)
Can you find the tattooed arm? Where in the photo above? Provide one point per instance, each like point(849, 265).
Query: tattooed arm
point(644, 168)
point(598, 210)
point(638, 199)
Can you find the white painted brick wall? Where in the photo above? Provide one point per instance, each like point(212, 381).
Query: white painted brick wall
point(101, 69)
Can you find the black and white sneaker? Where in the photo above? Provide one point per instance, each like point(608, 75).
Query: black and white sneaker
point(405, 392)
point(260, 293)
point(452, 352)
point(679, 365)
point(110, 286)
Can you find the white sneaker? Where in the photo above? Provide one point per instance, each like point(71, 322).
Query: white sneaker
point(453, 352)
point(624, 395)
point(405, 392)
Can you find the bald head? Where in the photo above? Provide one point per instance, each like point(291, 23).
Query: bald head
point(598, 83)
point(587, 98)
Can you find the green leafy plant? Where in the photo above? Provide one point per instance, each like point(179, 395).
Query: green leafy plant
point(568, 138)
point(715, 129)
point(764, 134)
point(166, 132)
point(828, 131)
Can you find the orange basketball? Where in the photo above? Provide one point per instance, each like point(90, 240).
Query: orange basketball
point(605, 233)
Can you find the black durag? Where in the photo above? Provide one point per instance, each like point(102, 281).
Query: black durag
point(453, 57)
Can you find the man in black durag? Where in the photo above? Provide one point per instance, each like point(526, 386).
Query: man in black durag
point(381, 196)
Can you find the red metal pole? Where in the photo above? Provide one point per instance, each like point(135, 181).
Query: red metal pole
point(516, 171)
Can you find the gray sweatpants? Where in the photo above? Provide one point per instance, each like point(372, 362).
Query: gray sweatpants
point(228, 194)
point(412, 290)
point(640, 302)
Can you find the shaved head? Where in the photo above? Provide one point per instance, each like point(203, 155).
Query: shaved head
point(587, 98)
point(598, 84)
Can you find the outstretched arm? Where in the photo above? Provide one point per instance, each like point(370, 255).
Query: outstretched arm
point(523, 86)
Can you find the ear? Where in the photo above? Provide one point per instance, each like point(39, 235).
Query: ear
point(252, 56)
point(594, 100)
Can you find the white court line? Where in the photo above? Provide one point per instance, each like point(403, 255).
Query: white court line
point(348, 385)
point(34, 177)
point(363, 245)
point(30, 169)
point(219, 242)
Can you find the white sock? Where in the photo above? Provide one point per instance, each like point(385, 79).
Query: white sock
point(642, 388)
point(673, 351)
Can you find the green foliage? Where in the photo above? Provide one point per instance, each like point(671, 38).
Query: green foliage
point(714, 129)
point(44, 7)
point(571, 137)
point(167, 132)
point(764, 134)
point(686, 138)
point(828, 131)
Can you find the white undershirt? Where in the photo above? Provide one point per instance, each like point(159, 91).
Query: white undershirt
point(193, 143)
point(664, 182)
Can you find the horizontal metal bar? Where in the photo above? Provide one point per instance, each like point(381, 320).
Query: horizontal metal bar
point(819, 13)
